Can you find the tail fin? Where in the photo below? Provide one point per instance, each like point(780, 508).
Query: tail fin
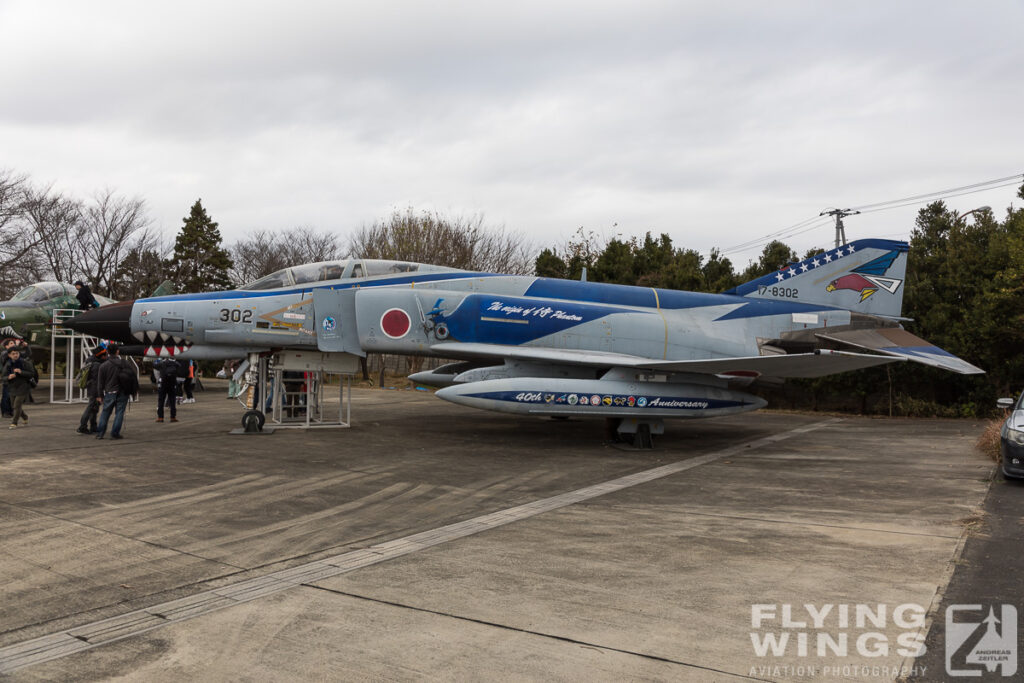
point(864, 276)
point(165, 288)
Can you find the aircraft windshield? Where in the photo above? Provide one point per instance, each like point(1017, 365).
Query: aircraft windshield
point(42, 291)
point(300, 275)
point(375, 267)
point(317, 272)
point(333, 270)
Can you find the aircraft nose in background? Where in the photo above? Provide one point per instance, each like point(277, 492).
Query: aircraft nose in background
point(111, 322)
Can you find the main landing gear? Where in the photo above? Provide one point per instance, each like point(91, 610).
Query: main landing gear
point(635, 432)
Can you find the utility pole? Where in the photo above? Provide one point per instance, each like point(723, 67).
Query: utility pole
point(840, 230)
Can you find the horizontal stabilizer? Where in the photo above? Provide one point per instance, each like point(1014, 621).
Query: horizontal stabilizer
point(816, 364)
point(894, 341)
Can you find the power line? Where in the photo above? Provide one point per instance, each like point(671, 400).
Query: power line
point(773, 235)
point(815, 222)
point(905, 201)
point(950, 196)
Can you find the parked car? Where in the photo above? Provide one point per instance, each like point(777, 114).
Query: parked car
point(1011, 437)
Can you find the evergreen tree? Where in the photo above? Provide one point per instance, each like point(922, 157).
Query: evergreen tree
point(615, 264)
point(199, 262)
point(775, 255)
point(550, 264)
point(718, 273)
point(140, 272)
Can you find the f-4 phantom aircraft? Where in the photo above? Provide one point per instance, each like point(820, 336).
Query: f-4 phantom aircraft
point(28, 313)
point(543, 346)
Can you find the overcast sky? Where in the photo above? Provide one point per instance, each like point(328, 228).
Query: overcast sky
point(714, 122)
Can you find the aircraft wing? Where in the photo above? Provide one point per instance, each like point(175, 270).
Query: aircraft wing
point(816, 364)
point(894, 341)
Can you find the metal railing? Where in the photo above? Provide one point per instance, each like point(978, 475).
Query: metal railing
point(74, 341)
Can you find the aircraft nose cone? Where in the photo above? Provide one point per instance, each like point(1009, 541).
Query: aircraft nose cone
point(111, 322)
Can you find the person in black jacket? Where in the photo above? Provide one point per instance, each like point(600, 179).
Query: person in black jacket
point(87, 425)
point(18, 375)
point(167, 372)
point(115, 395)
point(85, 298)
point(6, 407)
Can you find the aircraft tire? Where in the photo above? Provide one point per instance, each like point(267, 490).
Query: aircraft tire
point(253, 418)
point(643, 437)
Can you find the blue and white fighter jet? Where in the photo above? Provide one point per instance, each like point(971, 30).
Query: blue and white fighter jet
point(544, 346)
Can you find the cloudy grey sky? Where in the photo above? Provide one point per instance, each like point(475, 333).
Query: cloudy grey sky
point(714, 122)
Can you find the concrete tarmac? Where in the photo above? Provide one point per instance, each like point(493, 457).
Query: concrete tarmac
point(434, 541)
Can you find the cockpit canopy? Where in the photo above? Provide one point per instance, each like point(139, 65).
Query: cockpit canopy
point(43, 291)
point(340, 270)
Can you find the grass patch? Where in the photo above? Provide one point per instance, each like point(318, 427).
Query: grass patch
point(988, 442)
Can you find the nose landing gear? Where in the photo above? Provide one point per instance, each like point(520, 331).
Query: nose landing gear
point(253, 421)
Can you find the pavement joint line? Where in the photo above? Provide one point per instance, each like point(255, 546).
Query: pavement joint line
point(53, 646)
point(541, 634)
point(767, 520)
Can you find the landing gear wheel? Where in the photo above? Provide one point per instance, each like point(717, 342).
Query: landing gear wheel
point(253, 421)
point(611, 428)
point(643, 437)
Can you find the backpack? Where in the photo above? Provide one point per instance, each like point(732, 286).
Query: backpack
point(127, 381)
point(169, 370)
point(82, 378)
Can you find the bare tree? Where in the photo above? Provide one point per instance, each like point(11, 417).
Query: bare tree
point(109, 227)
point(56, 223)
point(143, 268)
point(306, 245)
point(12, 213)
point(254, 257)
point(19, 259)
point(456, 242)
point(265, 252)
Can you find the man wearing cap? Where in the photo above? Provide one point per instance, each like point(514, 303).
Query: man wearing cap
point(87, 425)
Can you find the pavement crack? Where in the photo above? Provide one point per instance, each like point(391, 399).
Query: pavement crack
point(540, 634)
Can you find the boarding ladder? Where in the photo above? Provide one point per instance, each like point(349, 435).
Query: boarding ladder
point(77, 349)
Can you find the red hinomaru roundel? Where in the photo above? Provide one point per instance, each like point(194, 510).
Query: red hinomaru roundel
point(395, 323)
